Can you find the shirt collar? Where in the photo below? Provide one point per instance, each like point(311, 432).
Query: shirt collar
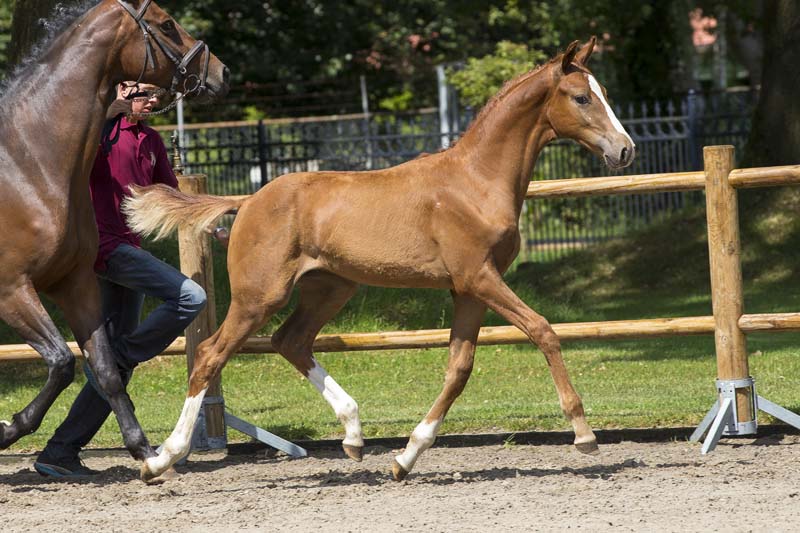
point(125, 124)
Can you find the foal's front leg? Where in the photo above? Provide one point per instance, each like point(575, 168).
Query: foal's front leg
point(467, 317)
point(489, 287)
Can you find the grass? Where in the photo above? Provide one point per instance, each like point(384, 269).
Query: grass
point(659, 272)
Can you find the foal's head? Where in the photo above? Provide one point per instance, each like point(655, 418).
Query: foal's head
point(577, 109)
point(178, 61)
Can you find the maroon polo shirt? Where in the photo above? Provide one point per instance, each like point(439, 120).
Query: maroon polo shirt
point(138, 158)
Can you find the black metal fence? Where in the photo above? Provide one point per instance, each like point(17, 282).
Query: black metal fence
point(241, 157)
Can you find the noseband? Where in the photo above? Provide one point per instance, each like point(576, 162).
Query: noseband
point(198, 83)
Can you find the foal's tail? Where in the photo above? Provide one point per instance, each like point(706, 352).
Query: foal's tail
point(159, 210)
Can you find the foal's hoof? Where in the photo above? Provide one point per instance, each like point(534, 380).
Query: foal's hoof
point(398, 472)
point(588, 447)
point(147, 475)
point(355, 453)
point(168, 475)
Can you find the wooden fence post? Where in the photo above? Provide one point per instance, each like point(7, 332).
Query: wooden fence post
point(724, 249)
point(197, 263)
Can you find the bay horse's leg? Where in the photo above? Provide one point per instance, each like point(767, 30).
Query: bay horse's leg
point(322, 296)
point(21, 309)
point(78, 297)
point(488, 286)
point(467, 316)
point(248, 311)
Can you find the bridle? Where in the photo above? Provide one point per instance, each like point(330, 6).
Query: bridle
point(198, 83)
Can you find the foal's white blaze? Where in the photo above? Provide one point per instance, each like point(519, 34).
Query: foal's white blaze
point(611, 116)
point(179, 442)
point(343, 405)
point(421, 439)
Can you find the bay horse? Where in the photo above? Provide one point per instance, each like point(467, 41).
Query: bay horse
point(53, 113)
point(446, 220)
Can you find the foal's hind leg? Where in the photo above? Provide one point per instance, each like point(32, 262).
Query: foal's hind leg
point(22, 310)
point(467, 317)
point(322, 295)
point(247, 313)
point(488, 286)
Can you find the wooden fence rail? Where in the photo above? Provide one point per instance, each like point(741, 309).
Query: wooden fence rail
point(495, 335)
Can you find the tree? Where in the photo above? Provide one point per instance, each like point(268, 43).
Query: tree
point(775, 134)
point(481, 78)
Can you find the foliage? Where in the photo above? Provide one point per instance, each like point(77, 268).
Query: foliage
point(482, 78)
point(6, 8)
point(252, 112)
point(397, 102)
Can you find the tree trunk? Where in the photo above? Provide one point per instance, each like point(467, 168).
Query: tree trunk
point(27, 28)
point(775, 134)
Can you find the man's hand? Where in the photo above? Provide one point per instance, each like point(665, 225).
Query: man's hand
point(219, 233)
point(222, 235)
point(117, 107)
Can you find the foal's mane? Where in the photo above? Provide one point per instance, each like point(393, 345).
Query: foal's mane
point(507, 87)
point(60, 18)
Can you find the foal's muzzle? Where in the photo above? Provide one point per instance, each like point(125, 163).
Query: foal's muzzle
point(617, 158)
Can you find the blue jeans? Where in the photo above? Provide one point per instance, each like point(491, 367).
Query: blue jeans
point(131, 273)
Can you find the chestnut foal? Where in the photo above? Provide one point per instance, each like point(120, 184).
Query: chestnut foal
point(53, 112)
point(447, 220)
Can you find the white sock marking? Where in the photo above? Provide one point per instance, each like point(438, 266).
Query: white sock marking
point(421, 439)
point(179, 442)
point(611, 116)
point(343, 405)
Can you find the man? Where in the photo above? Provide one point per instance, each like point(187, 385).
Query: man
point(132, 154)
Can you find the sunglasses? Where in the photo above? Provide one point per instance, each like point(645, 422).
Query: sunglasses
point(145, 95)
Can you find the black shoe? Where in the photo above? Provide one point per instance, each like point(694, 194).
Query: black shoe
point(64, 468)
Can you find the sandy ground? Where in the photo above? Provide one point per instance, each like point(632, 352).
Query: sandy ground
point(745, 485)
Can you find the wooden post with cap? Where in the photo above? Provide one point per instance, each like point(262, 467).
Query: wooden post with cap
point(734, 412)
point(724, 247)
point(197, 263)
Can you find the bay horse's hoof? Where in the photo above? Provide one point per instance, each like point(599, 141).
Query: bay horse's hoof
point(588, 447)
point(355, 453)
point(398, 472)
point(3, 425)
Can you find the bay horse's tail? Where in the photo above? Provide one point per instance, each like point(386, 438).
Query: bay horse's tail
point(159, 210)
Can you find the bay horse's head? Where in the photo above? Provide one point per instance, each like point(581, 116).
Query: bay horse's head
point(157, 50)
point(577, 109)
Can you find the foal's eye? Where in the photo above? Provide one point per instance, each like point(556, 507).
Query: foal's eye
point(168, 26)
point(581, 100)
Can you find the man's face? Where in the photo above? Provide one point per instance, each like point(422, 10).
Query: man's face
point(145, 96)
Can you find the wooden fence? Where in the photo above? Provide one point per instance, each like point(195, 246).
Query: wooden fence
point(729, 324)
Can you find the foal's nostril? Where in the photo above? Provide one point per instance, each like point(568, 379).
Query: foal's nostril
point(226, 76)
point(623, 155)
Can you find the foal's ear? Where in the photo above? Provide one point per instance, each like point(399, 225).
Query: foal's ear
point(585, 52)
point(569, 56)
